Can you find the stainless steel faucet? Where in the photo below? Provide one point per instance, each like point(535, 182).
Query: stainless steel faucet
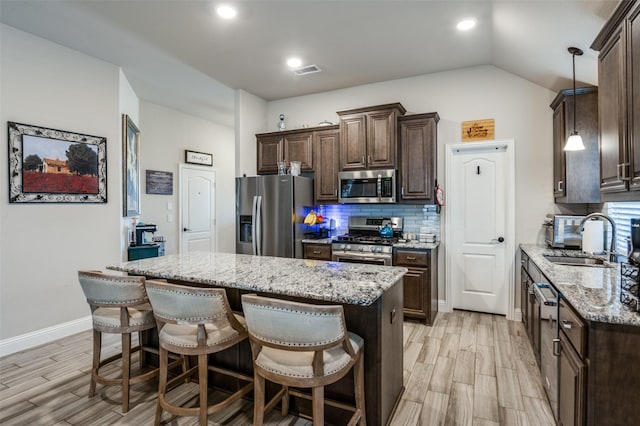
point(612, 251)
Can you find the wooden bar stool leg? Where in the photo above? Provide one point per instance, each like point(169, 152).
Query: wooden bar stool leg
point(126, 370)
point(203, 372)
point(162, 386)
point(359, 385)
point(317, 395)
point(258, 400)
point(141, 354)
point(285, 401)
point(97, 347)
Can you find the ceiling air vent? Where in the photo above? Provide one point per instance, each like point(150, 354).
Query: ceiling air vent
point(308, 69)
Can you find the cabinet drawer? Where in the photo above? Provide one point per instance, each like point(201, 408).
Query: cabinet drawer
point(410, 258)
point(573, 327)
point(317, 251)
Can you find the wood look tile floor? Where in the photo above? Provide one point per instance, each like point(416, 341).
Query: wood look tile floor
point(467, 369)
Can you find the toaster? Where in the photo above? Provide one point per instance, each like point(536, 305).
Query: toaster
point(563, 231)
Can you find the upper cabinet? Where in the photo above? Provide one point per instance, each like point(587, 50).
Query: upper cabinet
point(619, 103)
point(575, 173)
point(326, 153)
point(418, 141)
point(368, 137)
point(294, 145)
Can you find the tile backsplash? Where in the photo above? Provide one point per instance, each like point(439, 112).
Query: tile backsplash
point(415, 216)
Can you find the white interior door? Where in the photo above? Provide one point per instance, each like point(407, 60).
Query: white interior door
point(197, 206)
point(479, 227)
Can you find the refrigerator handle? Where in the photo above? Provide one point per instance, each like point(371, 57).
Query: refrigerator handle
point(254, 216)
point(259, 226)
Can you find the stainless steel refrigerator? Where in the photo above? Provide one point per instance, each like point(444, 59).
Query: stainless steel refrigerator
point(270, 214)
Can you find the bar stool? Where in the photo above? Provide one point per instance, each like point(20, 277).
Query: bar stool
point(119, 304)
point(199, 322)
point(302, 345)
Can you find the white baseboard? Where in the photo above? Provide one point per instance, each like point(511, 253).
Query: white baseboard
point(518, 315)
point(442, 306)
point(45, 335)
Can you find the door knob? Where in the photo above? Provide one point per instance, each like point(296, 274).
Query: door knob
point(186, 229)
point(498, 240)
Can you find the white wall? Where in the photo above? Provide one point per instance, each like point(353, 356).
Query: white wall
point(44, 245)
point(251, 114)
point(519, 107)
point(165, 135)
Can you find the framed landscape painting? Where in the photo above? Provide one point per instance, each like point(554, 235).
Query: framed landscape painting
point(56, 166)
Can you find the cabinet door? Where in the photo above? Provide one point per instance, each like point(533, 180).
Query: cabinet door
point(299, 147)
point(353, 142)
point(534, 322)
point(613, 166)
point(269, 153)
point(327, 155)
point(381, 140)
point(416, 297)
point(571, 385)
point(633, 83)
point(417, 139)
point(559, 139)
point(317, 251)
point(524, 296)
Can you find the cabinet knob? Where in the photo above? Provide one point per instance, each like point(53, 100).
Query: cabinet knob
point(567, 324)
point(411, 258)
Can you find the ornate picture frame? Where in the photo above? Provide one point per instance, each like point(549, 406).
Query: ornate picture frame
point(55, 166)
point(130, 167)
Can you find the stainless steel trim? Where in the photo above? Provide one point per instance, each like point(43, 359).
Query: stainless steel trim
point(254, 213)
point(258, 235)
point(368, 174)
point(377, 259)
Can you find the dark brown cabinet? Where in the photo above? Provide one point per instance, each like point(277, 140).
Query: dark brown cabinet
point(571, 385)
point(316, 251)
point(420, 283)
point(368, 137)
point(619, 103)
point(418, 146)
point(294, 145)
point(326, 148)
point(575, 173)
point(525, 282)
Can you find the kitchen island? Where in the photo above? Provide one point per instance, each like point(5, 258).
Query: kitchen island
point(371, 297)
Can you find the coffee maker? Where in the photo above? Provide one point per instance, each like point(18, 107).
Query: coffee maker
point(634, 252)
point(141, 230)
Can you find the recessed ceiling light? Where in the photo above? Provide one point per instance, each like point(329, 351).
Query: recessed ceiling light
point(226, 11)
point(466, 24)
point(294, 62)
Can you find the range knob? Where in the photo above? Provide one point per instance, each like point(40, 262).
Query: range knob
point(373, 249)
point(360, 248)
point(342, 246)
point(348, 248)
point(379, 249)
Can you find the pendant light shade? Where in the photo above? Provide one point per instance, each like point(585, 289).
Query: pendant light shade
point(574, 142)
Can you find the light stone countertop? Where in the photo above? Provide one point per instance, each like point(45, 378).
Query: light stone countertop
point(350, 283)
point(593, 291)
point(413, 244)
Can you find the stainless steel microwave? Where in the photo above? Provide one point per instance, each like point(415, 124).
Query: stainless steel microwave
point(367, 186)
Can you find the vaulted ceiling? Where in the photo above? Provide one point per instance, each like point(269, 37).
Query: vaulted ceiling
point(175, 51)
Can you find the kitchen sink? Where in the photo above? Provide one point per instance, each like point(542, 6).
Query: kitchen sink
point(577, 261)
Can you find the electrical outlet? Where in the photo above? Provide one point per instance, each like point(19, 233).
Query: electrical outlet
point(169, 205)
point(169, 218)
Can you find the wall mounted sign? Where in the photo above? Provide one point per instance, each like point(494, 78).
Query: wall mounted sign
point(131, 169)
point(56, 166)
point(478, 130)
point(194, 157)
point(160, 183)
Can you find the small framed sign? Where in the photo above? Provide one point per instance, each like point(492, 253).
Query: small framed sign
point(478, 130)
point(194, 157)
point(160, 183)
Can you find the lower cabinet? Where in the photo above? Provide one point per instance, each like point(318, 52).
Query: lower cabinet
point(316, 251)
point(572, 373)
point(525, 281)
point(420, 283)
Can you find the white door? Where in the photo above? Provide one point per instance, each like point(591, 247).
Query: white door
point(197, 207)
point(480, 227)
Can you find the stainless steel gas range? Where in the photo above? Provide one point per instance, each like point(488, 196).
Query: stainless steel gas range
point(363, 243)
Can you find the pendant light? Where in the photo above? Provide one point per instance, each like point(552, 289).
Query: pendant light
point(574, 142)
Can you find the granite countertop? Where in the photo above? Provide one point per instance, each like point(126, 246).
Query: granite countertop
point(593, 291)
point(350, 283)
point(413, 244)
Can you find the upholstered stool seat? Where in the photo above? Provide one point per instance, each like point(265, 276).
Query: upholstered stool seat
point(119, 304)
point(305, 346)
point(199, 322)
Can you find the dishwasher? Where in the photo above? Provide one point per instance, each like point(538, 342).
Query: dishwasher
point(548, 298)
